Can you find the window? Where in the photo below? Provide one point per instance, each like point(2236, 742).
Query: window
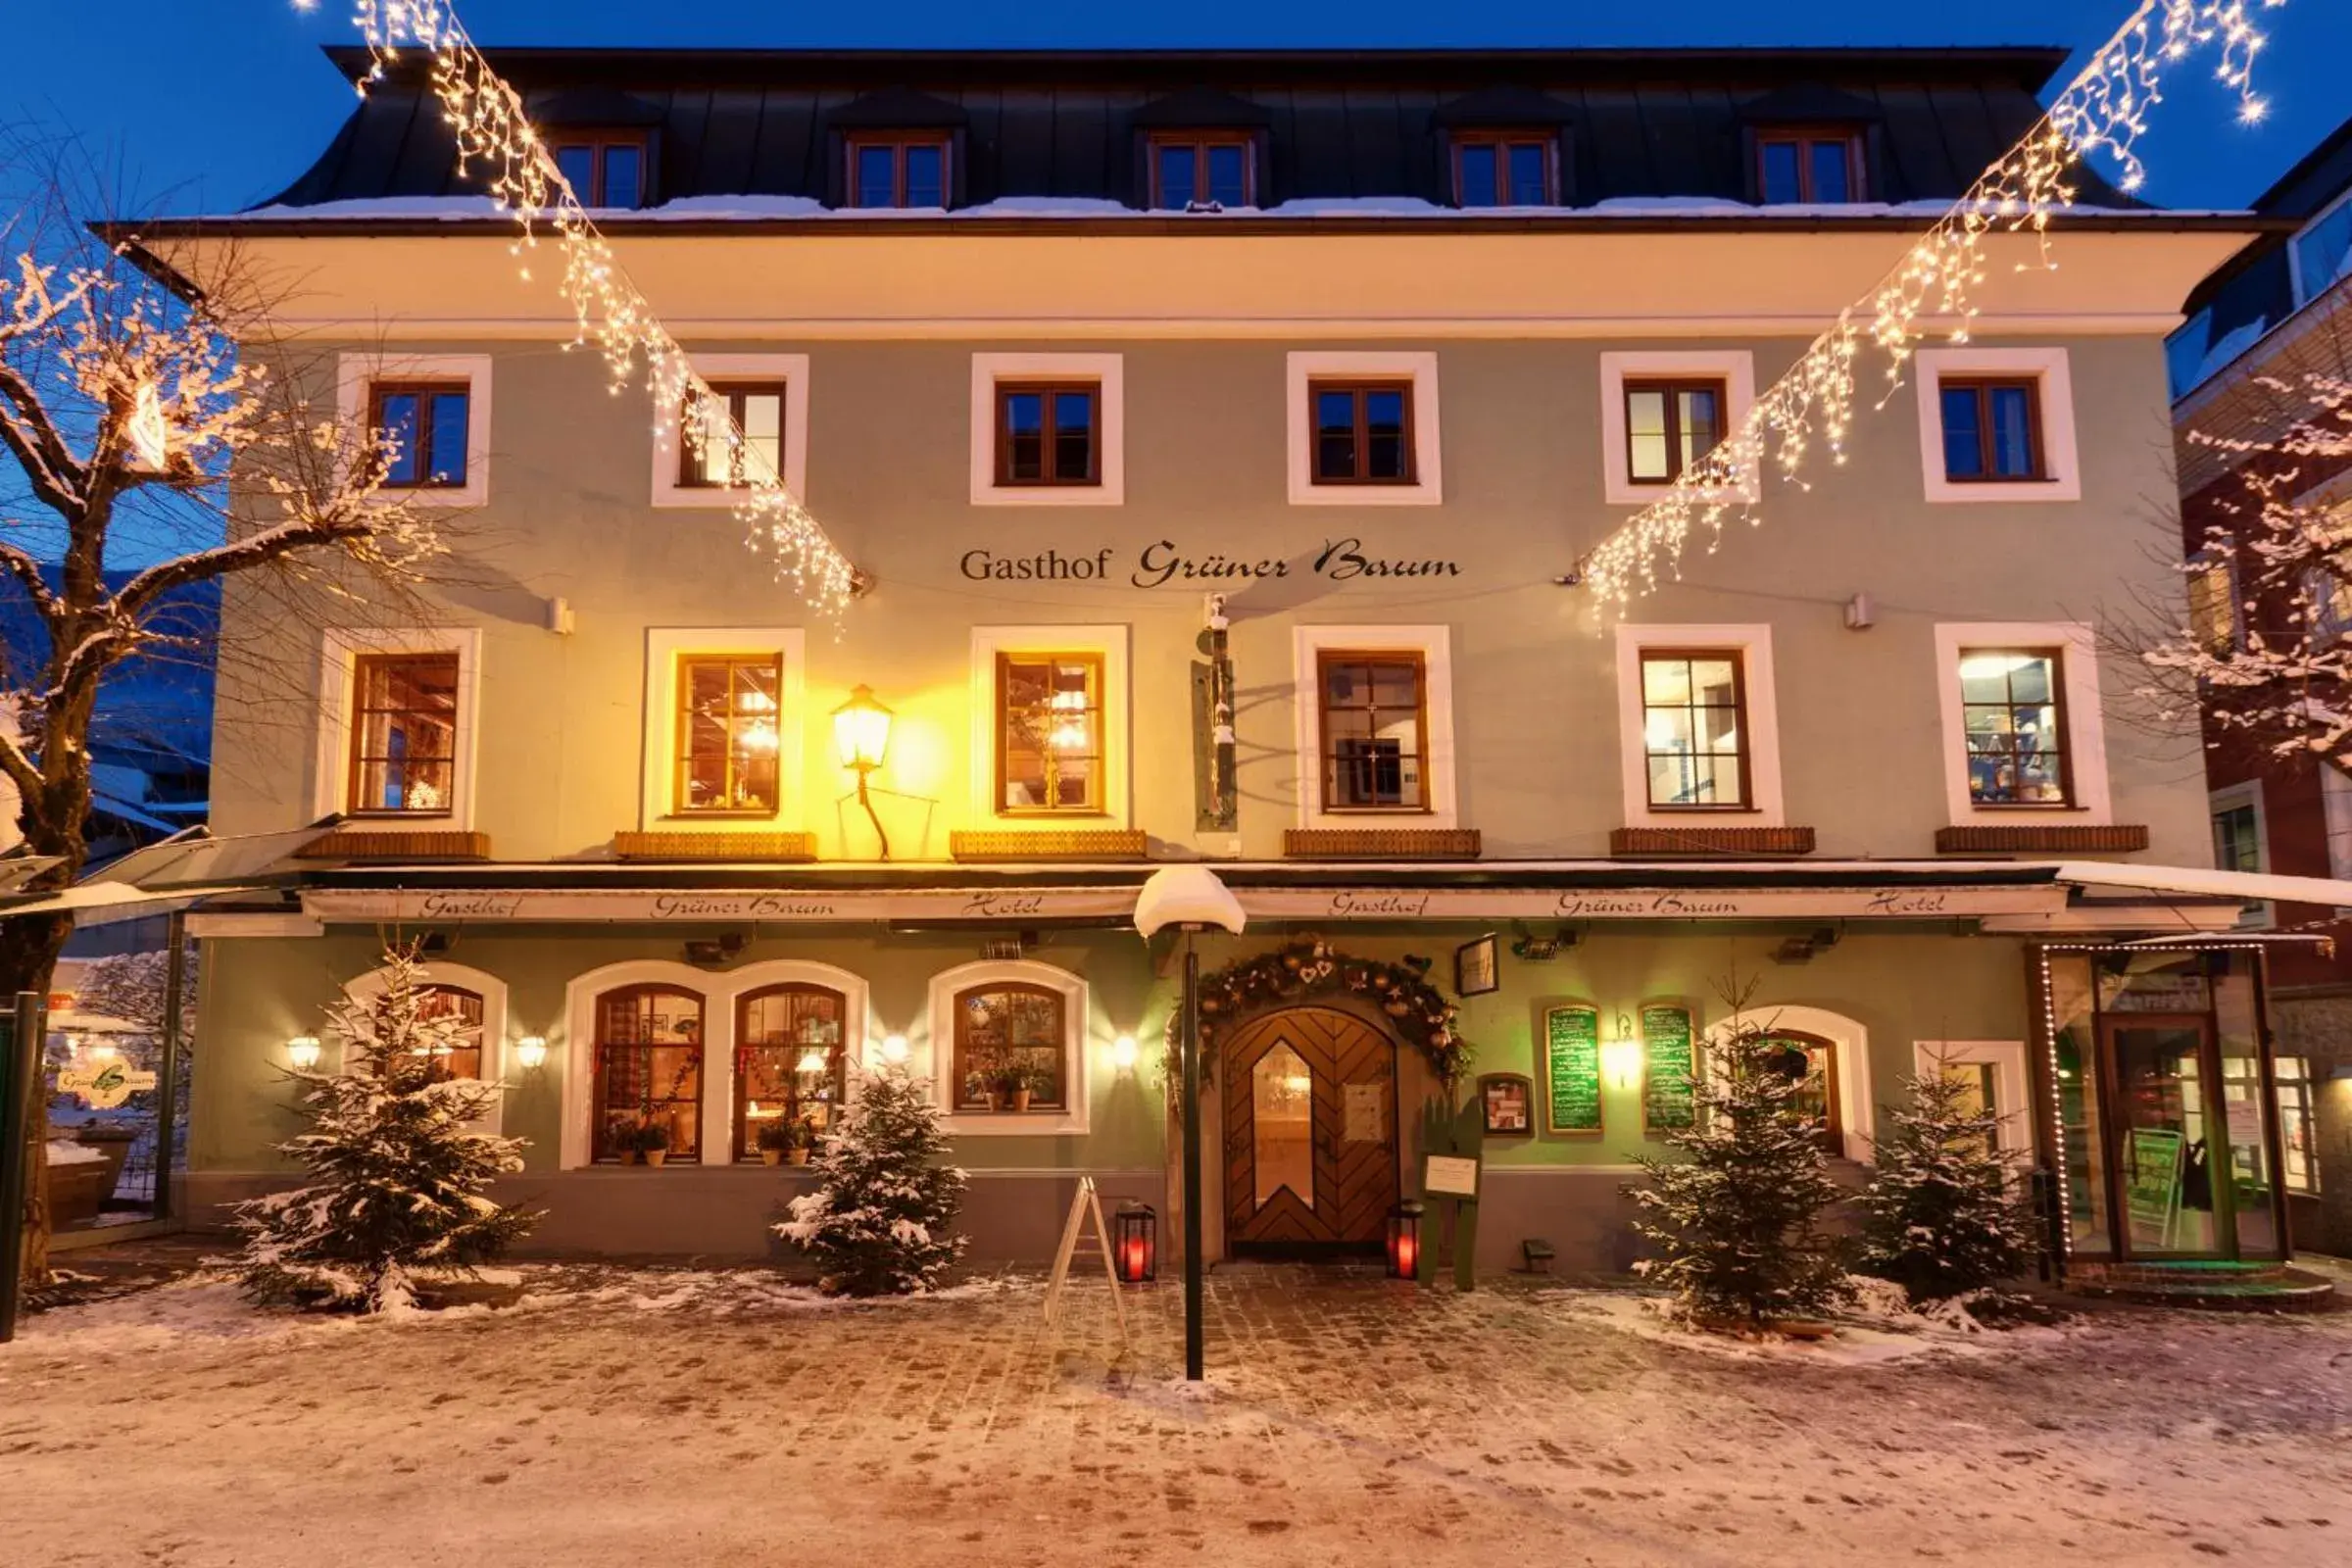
point(2322, 252)
point(909, 170)
point(2012, 713)
point(1202, 171)
point(1991, 432)
point(1812, 167)
point(1363, 432)
point(1693, 720)
point(602, 169)
point(2238, 841)
point(729, 709)
point(649, 1068)
point(404, 734)
point(2298, 1127)
point(1046, 434)
point(790, 1062)
point(1374, 713)
point(1817, 1092)
point(1008, 1043)
point(757, 412)
point(424, 429)
point(1050, 740)
point(2213, 605)
point(461, 1056)
point(1505, 168)
point(1669, 427)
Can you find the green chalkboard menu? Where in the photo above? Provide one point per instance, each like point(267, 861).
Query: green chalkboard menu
point(1666, 1067)
point(1572, 1070)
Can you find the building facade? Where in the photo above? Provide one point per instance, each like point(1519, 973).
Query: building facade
point(2278, 313)
point(1221, 435)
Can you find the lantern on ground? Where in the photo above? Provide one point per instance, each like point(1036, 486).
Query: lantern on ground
point(1135, 1243)
point(1404, 1240)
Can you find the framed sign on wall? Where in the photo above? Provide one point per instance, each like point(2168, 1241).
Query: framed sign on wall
point(1476, 968)
point(1508, 1101)
point(1572, 1070)
point(1669, 1100)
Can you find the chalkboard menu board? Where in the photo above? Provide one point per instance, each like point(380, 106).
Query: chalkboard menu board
point(1572, 1070)
point(1666, 1066)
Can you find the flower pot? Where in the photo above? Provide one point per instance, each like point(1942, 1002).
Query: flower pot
point(800, 1157)
point(1020, 1099)
point(627, 1157)
point(995, 1102)
point(771, 1156)
point(655, 1156)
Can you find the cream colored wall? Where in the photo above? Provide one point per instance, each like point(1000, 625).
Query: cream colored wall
point(1535, 699)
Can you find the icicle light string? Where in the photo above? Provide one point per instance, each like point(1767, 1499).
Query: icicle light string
point(2106, 105)
point(496, 140)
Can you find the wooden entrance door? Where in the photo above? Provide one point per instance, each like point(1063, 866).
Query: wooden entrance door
point(1310, 1134)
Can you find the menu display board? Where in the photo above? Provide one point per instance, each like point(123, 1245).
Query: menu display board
point(1572, 1070)
point(2152, 1184)
point(1668, 1096)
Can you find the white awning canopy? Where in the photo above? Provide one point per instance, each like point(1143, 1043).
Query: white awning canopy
point(2248, 886)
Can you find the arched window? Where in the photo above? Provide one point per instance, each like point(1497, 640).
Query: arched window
point(1008, 1039)
point(1817, 1096)
point(790, 1061)
point(462, 1057)
point(649, 1066)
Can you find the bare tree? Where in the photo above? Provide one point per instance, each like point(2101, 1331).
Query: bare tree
point(153, 426)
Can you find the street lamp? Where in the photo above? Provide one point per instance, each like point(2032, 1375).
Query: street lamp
point(1189, 898)
point(862, 734)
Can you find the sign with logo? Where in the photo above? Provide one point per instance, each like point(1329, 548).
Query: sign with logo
point(103, 1085)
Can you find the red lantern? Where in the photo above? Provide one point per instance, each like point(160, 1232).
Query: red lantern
point(1135, 1243)
point(1404, 1240)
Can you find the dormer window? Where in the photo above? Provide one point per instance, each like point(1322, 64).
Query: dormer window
point(603, 168)
point(907, 170)
point(1809, 165)
point(1202, 169)
point(1505, 168)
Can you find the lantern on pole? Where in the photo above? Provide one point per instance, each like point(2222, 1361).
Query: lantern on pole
point(1135, 1243)
point(1404, 1240)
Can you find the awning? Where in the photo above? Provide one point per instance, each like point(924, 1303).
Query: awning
point(2247, 887)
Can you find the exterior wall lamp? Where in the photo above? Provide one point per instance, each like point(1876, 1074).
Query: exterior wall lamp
point(861, 735)
point(1621, 1055)
point(530, 1052)
point(1122, 1053)
point(303, 1053)
point(894, 1049)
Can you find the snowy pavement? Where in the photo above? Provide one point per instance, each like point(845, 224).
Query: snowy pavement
point(634, 1417)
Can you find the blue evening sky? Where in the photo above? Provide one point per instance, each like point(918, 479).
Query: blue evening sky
point(215, 104)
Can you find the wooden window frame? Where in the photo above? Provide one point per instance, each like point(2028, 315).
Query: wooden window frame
point(682, 757)
point(2067, 784)
point(1503, 139)
point(600, 144)
point(1060, 1102)
point(1360, 388)
point(1806, 138)
point(600, 1113)
point(1328, 761)
point(733, 393)
point(1098, 789)
point(355, 759)
point(837, 1059)
point(1051, 391)
point(1672, 387)
point(424, 391)
point(1199, 141)
point(1831, 1132)
point(462, 994)
point(898, 141)
point(1982, 387)
point(1737, 658)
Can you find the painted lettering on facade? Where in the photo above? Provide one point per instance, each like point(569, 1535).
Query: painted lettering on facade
point(1162, 563)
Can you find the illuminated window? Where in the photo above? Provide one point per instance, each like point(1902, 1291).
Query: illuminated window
point(719, 462)
point(1009, 1044)
point(649, 1068)
point(1374, 715)
point(1049, 741)
point(1694, 729)
point(1669, 427)
point(2012, 713)
point(2299, 1128)
point(729, 708)
point(460, 1055)
point(404, 734)
point(791, 1063)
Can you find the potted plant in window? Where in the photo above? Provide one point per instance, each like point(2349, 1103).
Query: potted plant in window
point(984, 1086)
point(804, 1140)
point(647, 1139)
point(775, 1140)
point(1013, 1083)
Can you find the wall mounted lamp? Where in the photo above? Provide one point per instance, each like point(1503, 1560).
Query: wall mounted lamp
point(303, 1053)
point(861, 735)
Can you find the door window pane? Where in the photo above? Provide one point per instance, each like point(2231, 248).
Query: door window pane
point(1282, 1099)
point(2168, 1125)
point(2009, 706)
point(2079, 1111)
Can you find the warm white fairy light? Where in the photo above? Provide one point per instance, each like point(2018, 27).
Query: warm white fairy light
point(496, 141)
point(2105, 107)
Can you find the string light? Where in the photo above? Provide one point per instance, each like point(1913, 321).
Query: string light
point(496, 141)
point(2105, 107)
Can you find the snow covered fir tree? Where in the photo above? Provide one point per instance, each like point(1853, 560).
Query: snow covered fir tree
point(1736, 1218)
point(1945, 1213)
point(879, 1222)
point(400, 1168)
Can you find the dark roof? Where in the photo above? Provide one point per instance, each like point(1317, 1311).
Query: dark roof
point(1337, 123)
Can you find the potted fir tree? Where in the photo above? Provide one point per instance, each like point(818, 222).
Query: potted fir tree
point(776, 1141)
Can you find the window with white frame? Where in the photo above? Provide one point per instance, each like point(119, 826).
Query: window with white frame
point(431, 415)
point(475, 1005)
point(1374, 725)
point(1998, 424)
point(1991, 1075)
point(2021, 721)
point(399, 714)
point(765, 398)
point(1009, 1044)
point(1663, 411)
point(723, 720)
point(1049, 431)
point(1363, 429)
point(1699, 726)
point(1050, 730)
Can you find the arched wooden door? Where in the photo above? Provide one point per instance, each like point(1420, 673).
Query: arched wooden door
point(1310, 1134)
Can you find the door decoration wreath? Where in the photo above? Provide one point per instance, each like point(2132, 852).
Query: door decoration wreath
point(1304, 970)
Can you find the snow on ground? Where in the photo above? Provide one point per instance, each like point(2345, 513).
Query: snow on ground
point(623, 1416)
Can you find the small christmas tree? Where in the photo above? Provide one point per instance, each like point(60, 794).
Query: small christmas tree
point(1944, 1215)
point(399, 1168)
point(877, 1223)
point(1738, 1219)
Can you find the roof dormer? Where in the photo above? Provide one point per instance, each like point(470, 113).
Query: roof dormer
point(1812, 146)
point(1201, 151)
point(898, 148)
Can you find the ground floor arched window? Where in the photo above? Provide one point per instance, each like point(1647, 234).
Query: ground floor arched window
point(459, 1054)
point(1008, 1048)
point(1817, 1094)
point(790, 1062)
point(649, 1067)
